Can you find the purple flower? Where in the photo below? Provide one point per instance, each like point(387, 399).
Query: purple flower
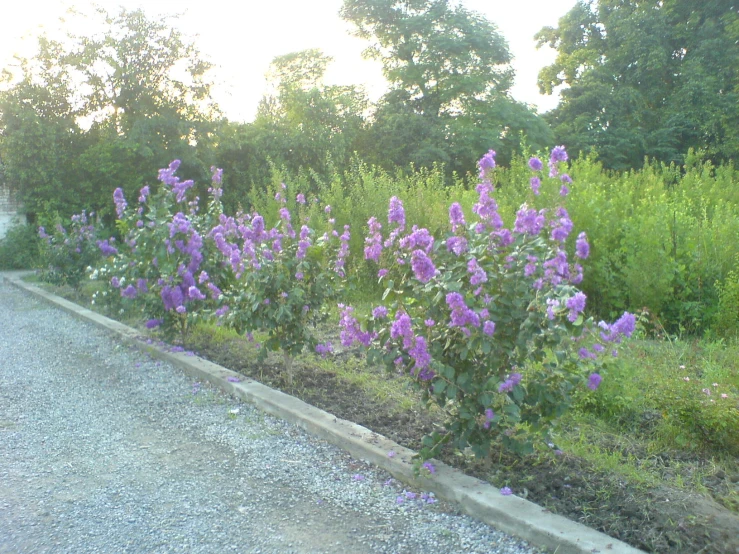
point(564, 191)
point(478, 274)
point(115, 283)
point(625, 326)
point(410, 495)
point(535, 185)
point(506, 491)
point(420, 354)
point(324, 350)
point(143, 193)
point(300, 198)
point(419, 238)
point(461, 315)
point(358, 477)
point(529, 221)
point(153, 323)
point(381, 273)
point(586, 354)
point(508, 384)
point(373, 243)
point(379, 312)
point(456, 216)
point(120, 202)
point(535, 164)
point(489, 416)
point(402, 327)
point(180, 188)
point(284, 214)
point(582, 248)
point(391, 454)
point(217, 175)
point(129, 292)
point(486, 208)
point(103, 245)
point(576, 304)
point(429, 323)
point(458, 245)
point(561, 226)
point(396, 213)
point(486, 165)
point(488, 328)
point(194, 293)
point(594, 381)
point(430, 467)
point(351, 332)
point(558, 155)
point(232, 379)
point(423, 267)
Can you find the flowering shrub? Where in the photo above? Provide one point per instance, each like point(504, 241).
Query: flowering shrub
point(163, 268)
point(281, 279)
point(67, 253)
point(488, 321)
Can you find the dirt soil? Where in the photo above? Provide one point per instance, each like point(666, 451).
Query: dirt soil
point(657, 519)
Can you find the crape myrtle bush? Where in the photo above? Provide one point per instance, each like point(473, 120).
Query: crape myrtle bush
point(67, 252)
point(282, 279)
point(163, 268)
point(488, 321)
point(173, 268)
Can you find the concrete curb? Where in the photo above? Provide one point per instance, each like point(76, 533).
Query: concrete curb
point(476, 498)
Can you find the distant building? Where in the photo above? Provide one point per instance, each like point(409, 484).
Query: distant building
point(11, 211)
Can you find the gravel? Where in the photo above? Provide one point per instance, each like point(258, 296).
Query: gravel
point(103, 449)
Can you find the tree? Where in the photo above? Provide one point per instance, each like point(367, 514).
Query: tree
point(650, 78)
point(449, 73)
point(40, 140)
point(305, 123)
point(139, 89)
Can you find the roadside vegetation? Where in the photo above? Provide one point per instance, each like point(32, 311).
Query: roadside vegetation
point(561, 325)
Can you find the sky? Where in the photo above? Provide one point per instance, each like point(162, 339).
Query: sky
point(242, 37)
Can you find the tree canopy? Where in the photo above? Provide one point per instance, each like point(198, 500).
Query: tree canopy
point(103, 110)
point(449, 72)
point(649, 78)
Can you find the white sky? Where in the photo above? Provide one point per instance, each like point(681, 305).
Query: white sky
point(241, 37)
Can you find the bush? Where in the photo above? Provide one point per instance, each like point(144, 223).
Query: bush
point(163, 269)
point(488, 321)
point(67, 255)
point(20, 248)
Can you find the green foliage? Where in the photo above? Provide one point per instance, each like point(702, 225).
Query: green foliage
point(727, 314)
point(697, 415)
point(645, 79)
point(20, 248)
point(674, 394)
point(661, 237)
point(307, 122)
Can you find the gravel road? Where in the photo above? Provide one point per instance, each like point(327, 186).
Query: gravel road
point(103, 449)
